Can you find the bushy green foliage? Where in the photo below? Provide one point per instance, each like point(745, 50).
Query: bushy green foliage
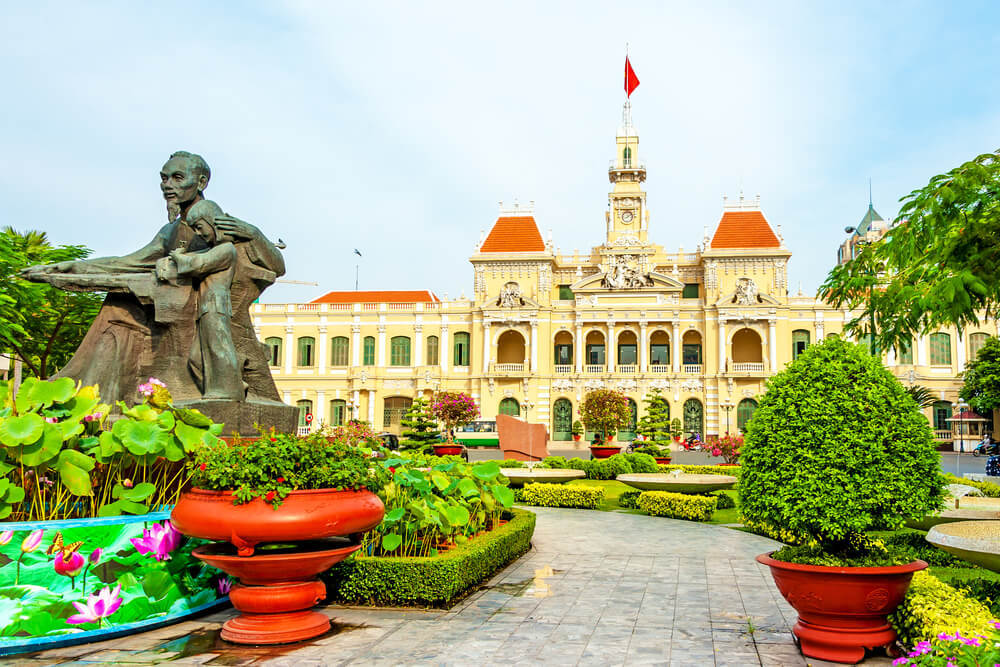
point(630, 499)
point(725, 501)
point(986, 591)
point(676, 429)
point(989, 489)
point(859, 550)
point(420, 429)
point(640, 462)
point(656, 451)
point(932, 607)
point(733, 471)
point(511, 463)
point(654, 426)
point(432, 580)
point(981, 380)
point(838, 447)
point(562, 495)
point(677, 505)
point(776, 533)
point(911, 545)
point(552, 462)
point(608, 468)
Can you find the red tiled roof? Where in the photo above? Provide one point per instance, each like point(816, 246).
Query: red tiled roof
point(514, 234)
point(381, 296)
point(744, 229)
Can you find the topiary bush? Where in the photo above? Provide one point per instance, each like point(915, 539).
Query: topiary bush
point(838, 447)
point(629, 499)
point(677, 505)
point(641, 462)
point(561, 495)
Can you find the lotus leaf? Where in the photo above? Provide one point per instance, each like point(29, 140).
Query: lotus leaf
point(456, 515)
point(45, 448)
point(487, 470)
point(74, 471)
point(193, 417)
point(143, 437)
point(190, 436)
point(120, 507)
point(391, 541)
point(21, 430)
point(467, 487)
point(394, 515)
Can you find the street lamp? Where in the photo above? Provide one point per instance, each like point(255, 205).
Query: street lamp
point(962, 407)
point(728, 407)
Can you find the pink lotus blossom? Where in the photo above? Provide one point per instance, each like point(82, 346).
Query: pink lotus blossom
point(99, 606)
point(32, 541)
point(146, 389)
point(158, 383)
point(225, 585)
point(95, 556)
point(159, 540)
point(5, 536)
point(52, 420)
point(69, 567)
point(93, 417)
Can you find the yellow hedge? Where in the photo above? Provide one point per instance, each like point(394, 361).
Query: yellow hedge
point(560, 495)
point(932, 607)
point(733, 471)
point(677, 505)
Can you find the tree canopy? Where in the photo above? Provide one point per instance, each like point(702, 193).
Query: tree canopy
point(982, 378)
point(938, 265)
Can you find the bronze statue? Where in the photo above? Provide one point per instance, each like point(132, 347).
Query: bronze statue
point(178, 309)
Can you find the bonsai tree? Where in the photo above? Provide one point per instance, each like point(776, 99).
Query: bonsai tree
point(654, 426)
point(420, 429)
point(837, 447)
point(605, 411)
point(577, 429)
point(982, 378)
point(676, 429)
point(453, 408)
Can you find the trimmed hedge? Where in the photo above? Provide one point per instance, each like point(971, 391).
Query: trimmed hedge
point(677, 505)
point(630, 499)
point(435, 580)
point(734, 471)
point(562, 495)
point(989, 489)
point(932, 607)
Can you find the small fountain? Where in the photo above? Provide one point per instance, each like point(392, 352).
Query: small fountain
point(677, 482)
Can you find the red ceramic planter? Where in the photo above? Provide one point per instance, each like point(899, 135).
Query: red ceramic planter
point(842, 610)
point(729, 465)
point(665, 460)
point(447, 450)
point(277, 586)
point(604, 451)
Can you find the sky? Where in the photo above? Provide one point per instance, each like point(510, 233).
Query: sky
point(397, 127)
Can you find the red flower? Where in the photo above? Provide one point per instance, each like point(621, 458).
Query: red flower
point(392, 470)
point(280, 480)
point(274, 440)
point(269, 496)
point(202, 466)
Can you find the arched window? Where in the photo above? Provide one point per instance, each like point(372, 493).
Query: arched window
point(563, 349)
point(273, 351)
point(627, 157)
point(694, 418)
point(339, 348)
point(627, 431)
point(659, 349)
point(338, 412)
point(940, 349)
point(432, 351)
point(976, 341)
point(305, 408)
point(744, 411)
point(306, 346)
point(800, 341)
point(461, 349)
point(904, 353)
point(942, 413)
point(369, 351)
point(628, 349)
point(509, 406)
point(691, 348)
point(562, 420)
point(399, 351)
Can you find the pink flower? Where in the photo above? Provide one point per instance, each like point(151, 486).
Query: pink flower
point(94, 417)
point(5, 536)
point(225, 584)
point(95, 556)
point(99, 606)
point(158, 383)
point(69, 567)
point(52, 420)
point(32, 541)
point(146, 389)
point(716, 452)
point(159, 540)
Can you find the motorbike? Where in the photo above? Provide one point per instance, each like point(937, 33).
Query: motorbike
point(987, 449)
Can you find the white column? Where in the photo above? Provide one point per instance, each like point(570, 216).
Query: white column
point(356, 404)
point(418, 345)
point(675, 346)
point(611, 347)
point(643, 348)
point(534, 346)
point(289, 348)
point(487, 344)
point(371, 411)
point(960, 351)
point(579, 343)
point(772, 344)
point(922, 350)
point(818, 328)
point(319, 411)
point(355, 344)
point(322, 350)
point(722, 345)
point(381, 346)
point(443, 348)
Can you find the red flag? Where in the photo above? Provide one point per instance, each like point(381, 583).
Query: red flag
point(631, 80)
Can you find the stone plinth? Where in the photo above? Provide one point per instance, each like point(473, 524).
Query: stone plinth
point(975, 541)
point(522, 476)
point(240, 417)
point(683, 483)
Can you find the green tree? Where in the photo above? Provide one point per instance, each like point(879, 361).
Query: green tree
point(453, 408)
point(420, 429)
point(605, 411)
point(937, 265)
point(654, 426)
point(924, 396)
point(50, 322)
point(982, 378)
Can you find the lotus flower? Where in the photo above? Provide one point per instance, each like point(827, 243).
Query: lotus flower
point(5, 536)
point(225, 584)
point(71, 566)
point(32, 541)
point(95, 556)
point(159, 539)
point(99, 606)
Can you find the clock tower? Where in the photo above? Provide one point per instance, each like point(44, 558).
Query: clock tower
point(627, 217)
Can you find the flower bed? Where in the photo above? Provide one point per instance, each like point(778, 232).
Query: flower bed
point(932, 607)
point(113, 576)
point(432, 580)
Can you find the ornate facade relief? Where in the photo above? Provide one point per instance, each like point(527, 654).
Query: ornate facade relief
point(662, 385)
point(694, 386)
point(746, 292)
point(510, 296)
point(398, 384)
point(626, 385)
point(624, 272)
point(491, 385)
point(749, 393)
point(591, 385)
point(711, 275)
point(562, 385)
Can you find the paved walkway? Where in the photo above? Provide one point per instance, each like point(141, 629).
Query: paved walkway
point(597, 588)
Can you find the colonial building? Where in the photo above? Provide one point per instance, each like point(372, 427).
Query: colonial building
point(707, 325)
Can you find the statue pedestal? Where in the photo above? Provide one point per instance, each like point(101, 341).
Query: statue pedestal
point(240, 417)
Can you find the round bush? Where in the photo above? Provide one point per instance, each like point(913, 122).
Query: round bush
point(836, 447)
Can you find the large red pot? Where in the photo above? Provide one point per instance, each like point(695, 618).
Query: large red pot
point(604, 451)
point(842, 610)
point(447, 450)
point(663, 460)
point(303, 515)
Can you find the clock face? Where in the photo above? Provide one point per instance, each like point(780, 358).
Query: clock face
point(627, 216)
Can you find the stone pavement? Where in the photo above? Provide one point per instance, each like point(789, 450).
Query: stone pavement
point(597, 588)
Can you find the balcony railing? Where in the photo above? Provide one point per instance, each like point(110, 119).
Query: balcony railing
point(748, 367)
point(943, 435)
point(562, 369)
point(508, 368)
point(593, 368)
point(659, 368)
point(302, 430)
point(627, 368)
point(691, 368)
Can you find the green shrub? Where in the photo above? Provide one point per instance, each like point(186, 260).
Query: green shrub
point(733, 471)
point(725, 502)
point(677, 505)
point(838, 447)
point(553, 462)
point(988, 488)
point(561, 495)
point(776, 532)
point(986, 591)
point(433, 580)
point(630, 499)
point(641, 462)
point(932, 607)
point(913, 545)
point(511, 463)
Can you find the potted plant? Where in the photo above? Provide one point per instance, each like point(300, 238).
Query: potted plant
point(604, 411)
point(291, 494)
point(837, 448)
point(661, 454)
point(675, 429)
point(655, 427)
point(453, 409)
point(577, 430)
point(728, 447)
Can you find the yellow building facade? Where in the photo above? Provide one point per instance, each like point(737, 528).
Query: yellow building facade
point(706, 326)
